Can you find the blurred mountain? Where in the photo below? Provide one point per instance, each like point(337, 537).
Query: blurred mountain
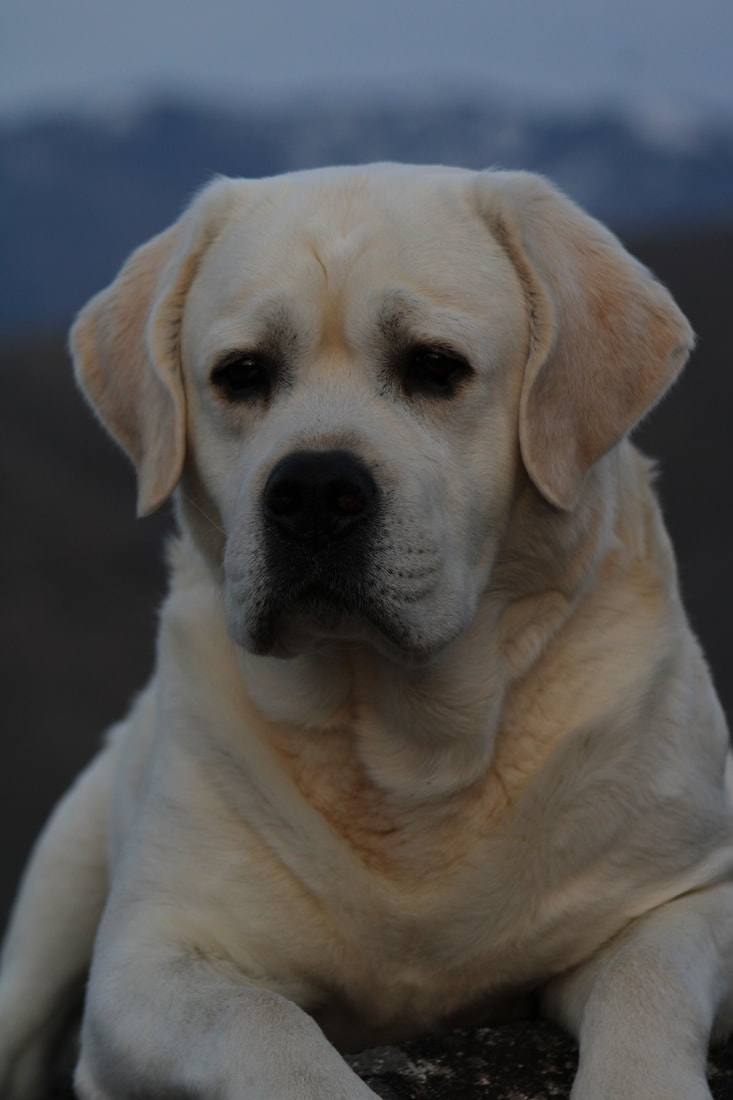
point(78, 193)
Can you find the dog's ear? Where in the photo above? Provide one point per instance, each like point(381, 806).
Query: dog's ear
point(606, 339)
point(125, 345)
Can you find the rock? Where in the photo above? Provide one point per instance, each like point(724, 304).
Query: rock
point(518, 1061)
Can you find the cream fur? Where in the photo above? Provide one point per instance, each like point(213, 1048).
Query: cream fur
point(508, 776)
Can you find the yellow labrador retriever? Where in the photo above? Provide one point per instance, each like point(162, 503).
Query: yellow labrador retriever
point(429, 735)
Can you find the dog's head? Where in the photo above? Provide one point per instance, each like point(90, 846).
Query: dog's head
point(352, 369)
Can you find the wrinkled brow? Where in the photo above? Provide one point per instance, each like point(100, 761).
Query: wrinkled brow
point(396, 319)
point(276, 331)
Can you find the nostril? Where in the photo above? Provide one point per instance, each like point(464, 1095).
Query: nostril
point(284, 498)
point(346, 498)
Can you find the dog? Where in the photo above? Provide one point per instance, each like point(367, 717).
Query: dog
point(430, 740)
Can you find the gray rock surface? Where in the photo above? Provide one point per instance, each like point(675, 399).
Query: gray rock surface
point(518, 1061)
point(529, 1060)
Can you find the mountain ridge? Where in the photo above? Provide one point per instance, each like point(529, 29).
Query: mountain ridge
point(80, 191)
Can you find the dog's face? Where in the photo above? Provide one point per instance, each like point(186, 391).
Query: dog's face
point(356, 365)
point(353, 361)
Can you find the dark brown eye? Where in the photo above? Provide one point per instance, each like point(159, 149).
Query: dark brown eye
point(434, 371)
point(242, 378)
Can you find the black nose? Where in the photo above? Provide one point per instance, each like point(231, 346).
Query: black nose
point(315, 496)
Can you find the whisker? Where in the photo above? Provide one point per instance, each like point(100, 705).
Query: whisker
point(208, 519)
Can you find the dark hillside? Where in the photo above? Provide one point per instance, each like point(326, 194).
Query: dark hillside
point(80, 583)
point(690, 433)
point(81, 578)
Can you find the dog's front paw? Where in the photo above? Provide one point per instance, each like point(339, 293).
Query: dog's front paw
point(256, 1046)
point(625, 1084)
point(296, 1062)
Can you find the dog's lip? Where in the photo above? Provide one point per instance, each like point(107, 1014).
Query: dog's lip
point(321, 614)
point(319, 589)
point(320, 617)
point(317, 595)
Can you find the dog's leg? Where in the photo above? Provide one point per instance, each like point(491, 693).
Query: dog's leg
point(644, 1007)
point(51, 932)
point(164, 1018)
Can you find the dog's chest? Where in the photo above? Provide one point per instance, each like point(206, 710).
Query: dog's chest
point(376, 957)
point(408, 842)
point(383, 914)
point(391, 913)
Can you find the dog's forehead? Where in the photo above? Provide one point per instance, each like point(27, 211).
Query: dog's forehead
point(312, 243)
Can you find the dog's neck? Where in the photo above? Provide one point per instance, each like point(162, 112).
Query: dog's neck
point(416, 732)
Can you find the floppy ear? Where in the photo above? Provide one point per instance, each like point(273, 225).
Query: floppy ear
point(606, 339)
point(125, 346)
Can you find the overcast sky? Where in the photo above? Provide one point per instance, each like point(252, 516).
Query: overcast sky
point(94, 52)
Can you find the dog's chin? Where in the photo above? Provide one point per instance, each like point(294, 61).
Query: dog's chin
point(319, 622)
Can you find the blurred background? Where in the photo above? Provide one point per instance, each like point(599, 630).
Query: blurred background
point(112, 114)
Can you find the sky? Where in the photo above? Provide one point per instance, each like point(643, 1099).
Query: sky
point(100, 53)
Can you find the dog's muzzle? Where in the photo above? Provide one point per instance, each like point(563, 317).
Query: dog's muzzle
point(323, 567)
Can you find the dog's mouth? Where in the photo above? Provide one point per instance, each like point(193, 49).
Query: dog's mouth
point(324, 605)
point(317, 609)
point(293, 615)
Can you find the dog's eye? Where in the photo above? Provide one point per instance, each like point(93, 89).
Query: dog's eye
point(434, 371)
point(242, 378)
